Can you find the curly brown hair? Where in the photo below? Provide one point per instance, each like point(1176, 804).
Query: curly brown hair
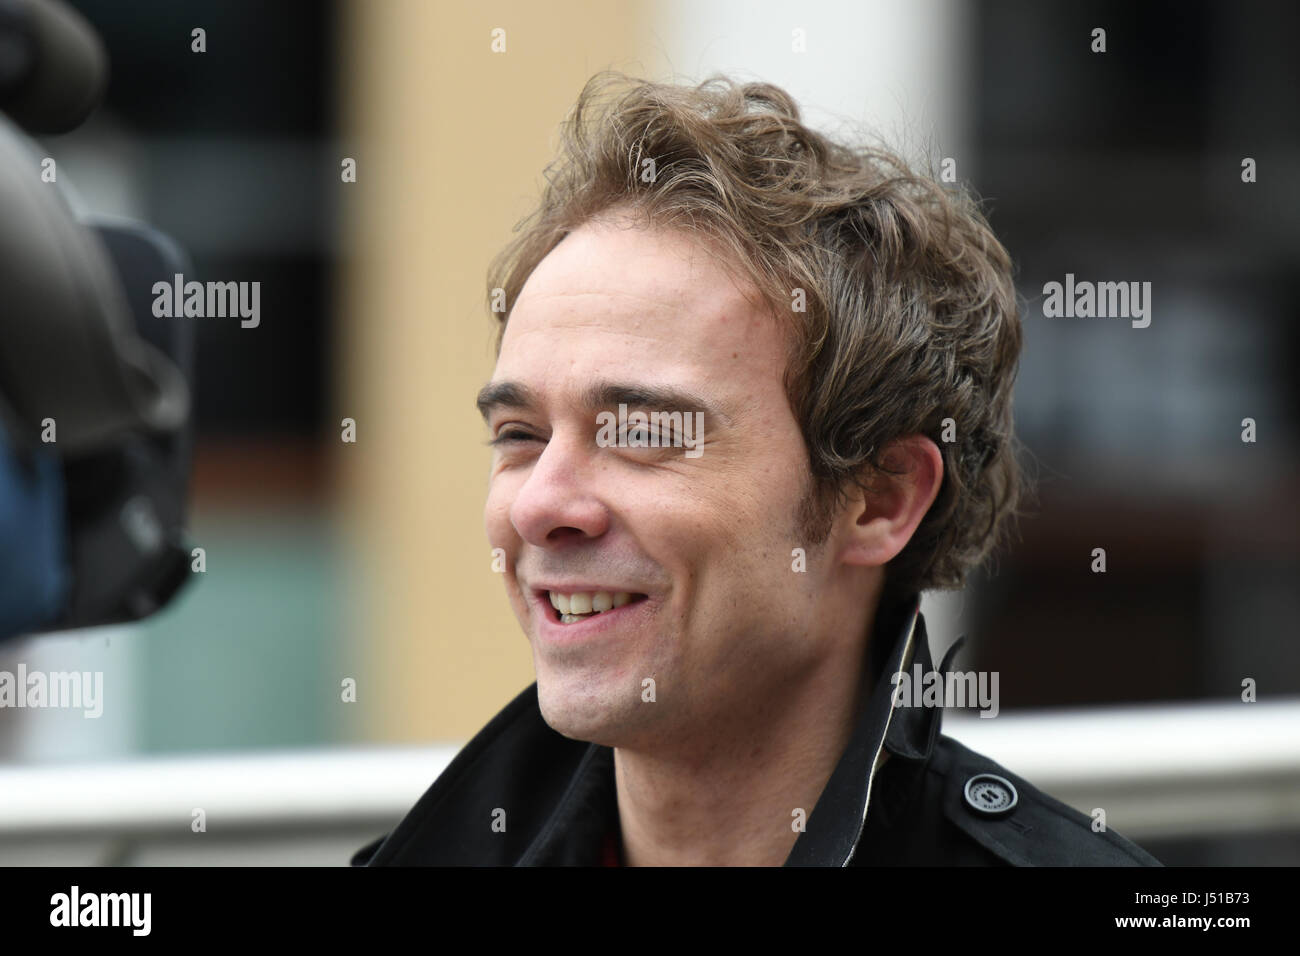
point(910, 312)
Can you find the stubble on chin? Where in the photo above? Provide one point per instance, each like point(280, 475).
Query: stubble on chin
point(592, 718)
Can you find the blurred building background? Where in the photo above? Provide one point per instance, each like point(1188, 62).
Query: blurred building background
point(329, 561)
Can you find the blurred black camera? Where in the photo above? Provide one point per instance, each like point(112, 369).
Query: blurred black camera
point(95, 423)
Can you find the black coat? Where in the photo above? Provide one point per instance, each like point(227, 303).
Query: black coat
point(931, 801)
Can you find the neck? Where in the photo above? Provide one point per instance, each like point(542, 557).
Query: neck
point(730, 798)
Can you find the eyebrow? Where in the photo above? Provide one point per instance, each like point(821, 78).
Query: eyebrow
point(602, 395)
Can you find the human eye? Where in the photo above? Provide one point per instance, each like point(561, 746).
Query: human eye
point(511, 435)
point(640, 436)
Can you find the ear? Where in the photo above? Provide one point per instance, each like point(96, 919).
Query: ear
point(879, 522)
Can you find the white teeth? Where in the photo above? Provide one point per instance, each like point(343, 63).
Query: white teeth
point(573, 607)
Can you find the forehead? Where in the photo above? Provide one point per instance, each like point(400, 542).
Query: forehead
point(638, 298)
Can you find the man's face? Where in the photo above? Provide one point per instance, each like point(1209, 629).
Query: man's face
point(719, 620)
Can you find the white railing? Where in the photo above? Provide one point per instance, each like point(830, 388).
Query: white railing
point(299, 788)
point(1158, 771)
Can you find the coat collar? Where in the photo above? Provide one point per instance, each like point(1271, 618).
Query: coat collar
point(882, 731)
point(555, 797)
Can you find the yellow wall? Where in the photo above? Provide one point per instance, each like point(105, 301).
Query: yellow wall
point(450, 141)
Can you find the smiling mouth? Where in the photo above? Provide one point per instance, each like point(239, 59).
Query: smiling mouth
point(580, 605)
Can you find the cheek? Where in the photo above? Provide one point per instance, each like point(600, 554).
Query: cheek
point(751, 546)
point(741, 542)
point(756, 511)
point(496, 516)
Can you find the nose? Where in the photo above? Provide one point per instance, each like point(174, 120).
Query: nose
point(558, 502)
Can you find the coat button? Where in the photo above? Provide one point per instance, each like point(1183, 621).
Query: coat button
point(991, 795)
